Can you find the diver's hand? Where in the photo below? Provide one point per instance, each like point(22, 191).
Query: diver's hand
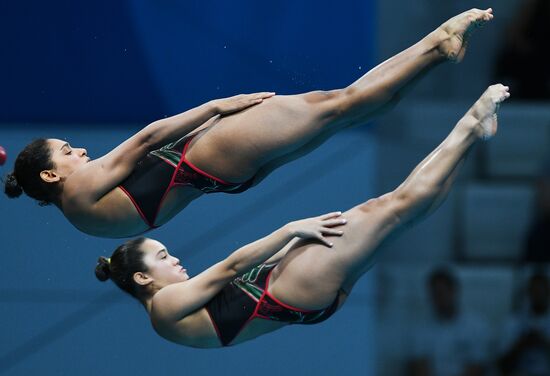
point(226, 106)
point(318, 227)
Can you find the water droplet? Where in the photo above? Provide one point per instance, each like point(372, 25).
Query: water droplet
point(360, 67)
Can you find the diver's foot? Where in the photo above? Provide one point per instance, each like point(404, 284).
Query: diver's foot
point(456, 32)
point(482, 116)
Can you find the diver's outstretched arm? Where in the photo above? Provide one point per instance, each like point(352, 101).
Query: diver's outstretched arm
point(103, 174)
point(180, 299)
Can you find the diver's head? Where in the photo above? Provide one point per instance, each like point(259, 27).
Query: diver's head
point(42, 167)
point(141, 267)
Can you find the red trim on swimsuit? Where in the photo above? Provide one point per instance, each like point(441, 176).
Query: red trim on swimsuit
point(289, 307)
point(214, 324)
point(151, 225)
point(171, 185)
point(187, 162)
point(232, 309)
point(154, 177)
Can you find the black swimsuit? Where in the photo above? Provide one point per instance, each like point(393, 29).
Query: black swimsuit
point(247, 298)
point(160, 170)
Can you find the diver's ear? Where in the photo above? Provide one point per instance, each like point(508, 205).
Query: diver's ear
point(142, 279)
point(50, 176)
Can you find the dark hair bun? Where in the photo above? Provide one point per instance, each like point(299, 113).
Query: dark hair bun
point(12, 188)
point(103, 269)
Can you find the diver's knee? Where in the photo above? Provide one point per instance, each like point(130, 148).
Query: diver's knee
point(377, 202)
point(322, 96)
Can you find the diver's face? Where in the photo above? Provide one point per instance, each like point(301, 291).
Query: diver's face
point(66, 158)
point(163, 268)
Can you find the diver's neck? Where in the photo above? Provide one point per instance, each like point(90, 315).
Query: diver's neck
point(148, 304)
point(59, 204)
point(58, 200)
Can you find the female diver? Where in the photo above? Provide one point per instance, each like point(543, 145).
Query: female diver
point(301, 273)
point(225, 145)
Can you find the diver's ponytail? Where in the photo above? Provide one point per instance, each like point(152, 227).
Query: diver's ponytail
point(12, 187)
point(103, 269)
